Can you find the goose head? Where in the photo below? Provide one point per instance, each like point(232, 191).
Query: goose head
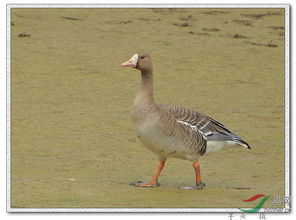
point(140, 61)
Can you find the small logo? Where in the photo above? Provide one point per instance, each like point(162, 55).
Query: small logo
point(258, 206)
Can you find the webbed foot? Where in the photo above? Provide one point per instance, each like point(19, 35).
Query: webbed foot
point(142, 184)
point(199, 185)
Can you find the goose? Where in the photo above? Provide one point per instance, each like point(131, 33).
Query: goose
point(174, 131)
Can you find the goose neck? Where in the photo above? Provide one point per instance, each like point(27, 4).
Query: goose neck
point(147, 83)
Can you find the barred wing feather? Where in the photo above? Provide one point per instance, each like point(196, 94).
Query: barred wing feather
point(211, 129)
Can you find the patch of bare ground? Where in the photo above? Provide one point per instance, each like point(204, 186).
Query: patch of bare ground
point(71, 18)
point(215, 12)
point(182, 24)
point(277, 27)
point(237, 36)
point(149, 19)
point(188, 18)
point(25, 34)
point(270, 44)
point(119, 22)
point(199, 33)
point(259, 16)
point(168, 10)
point(211, 29)
point(244, 22)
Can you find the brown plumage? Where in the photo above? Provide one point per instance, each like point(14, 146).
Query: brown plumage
point(171, 131)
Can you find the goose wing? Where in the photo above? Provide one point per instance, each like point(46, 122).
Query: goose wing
point(211, 129)
point(182, 133)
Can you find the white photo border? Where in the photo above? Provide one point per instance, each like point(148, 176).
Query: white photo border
point(286, 209)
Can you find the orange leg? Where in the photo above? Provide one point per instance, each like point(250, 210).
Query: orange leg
point(199, 183)
point(154, 180)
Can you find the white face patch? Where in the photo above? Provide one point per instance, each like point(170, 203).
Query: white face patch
point(134, 59)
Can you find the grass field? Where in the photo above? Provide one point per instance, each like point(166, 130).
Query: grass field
point(72, 143)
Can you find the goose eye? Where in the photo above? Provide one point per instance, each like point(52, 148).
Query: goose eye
point(142, 57)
